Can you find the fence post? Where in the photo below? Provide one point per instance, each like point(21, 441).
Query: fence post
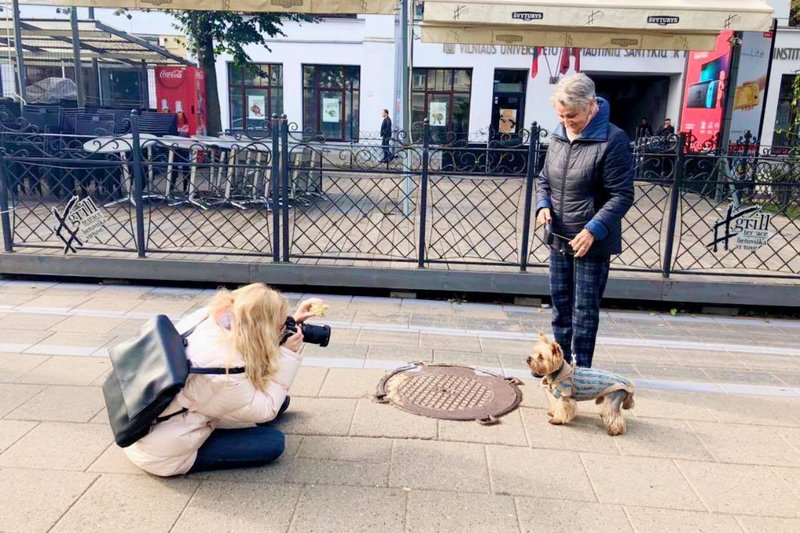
point(533, 164)
point(275, 188)
point(138, 183)
point(677, 180)
point(285, 186)
point(5, 218)
point(423, 198)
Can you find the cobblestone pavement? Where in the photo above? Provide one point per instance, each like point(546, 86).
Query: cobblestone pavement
point(713, 443)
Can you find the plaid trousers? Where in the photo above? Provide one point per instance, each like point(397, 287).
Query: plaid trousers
point(576, 287)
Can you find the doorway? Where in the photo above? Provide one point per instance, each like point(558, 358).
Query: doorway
point(508, 103)
point(634, 97)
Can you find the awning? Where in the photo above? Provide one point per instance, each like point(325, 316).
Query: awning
point(345, 7)
point(637, 24)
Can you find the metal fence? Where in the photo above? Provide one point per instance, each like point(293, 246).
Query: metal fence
point(444, 201)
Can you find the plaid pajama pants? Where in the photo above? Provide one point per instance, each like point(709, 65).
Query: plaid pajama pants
point(576, 286)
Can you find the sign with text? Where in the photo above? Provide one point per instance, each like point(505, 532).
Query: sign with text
point(742, 228)
point(80, 221)
point(751, 84)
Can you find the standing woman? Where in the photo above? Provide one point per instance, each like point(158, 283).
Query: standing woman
point(582, 194)
point(214, 421)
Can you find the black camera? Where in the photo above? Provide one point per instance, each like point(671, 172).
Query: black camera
point(312, 334)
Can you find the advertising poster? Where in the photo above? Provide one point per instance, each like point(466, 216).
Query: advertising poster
point(705, 90)
point(751, 83)
point(331, 110)
point(437, 114)
point(508, 120)
point(256, 107)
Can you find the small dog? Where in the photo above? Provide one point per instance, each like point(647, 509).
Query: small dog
point(567, 386)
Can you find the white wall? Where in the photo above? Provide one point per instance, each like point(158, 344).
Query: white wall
point(785, 38)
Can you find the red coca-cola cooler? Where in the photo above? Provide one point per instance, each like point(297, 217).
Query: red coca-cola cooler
point(183, 90)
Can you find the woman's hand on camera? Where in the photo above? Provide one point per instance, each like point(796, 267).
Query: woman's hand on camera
point(295, 342)
point(304, 311)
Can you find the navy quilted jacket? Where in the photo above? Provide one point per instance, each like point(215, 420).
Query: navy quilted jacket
point(588, 183)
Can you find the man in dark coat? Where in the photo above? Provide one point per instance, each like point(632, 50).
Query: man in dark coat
point(386, 136)
point(644, 129)
point(668, 129)
point(582, 194)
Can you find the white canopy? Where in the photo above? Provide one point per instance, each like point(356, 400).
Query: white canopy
point(247, 6)
point(645, 24)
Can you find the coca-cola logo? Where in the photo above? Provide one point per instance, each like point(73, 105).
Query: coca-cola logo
point(171, 78)
point(171, 74)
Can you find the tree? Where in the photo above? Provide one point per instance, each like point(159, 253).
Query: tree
point(211, 33)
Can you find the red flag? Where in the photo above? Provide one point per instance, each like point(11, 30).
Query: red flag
point(564, 65)
point(576, 53)
point(537, 51)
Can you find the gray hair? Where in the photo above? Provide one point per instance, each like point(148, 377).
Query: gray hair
point(574, 92)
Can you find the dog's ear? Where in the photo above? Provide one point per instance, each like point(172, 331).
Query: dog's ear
point(542, 337)
point(557, 349)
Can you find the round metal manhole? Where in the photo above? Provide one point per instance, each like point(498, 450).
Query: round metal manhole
point(450, 392)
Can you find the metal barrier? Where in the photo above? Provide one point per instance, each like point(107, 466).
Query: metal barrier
point(445, 201)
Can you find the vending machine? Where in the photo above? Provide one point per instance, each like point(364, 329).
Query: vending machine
point(182, 90)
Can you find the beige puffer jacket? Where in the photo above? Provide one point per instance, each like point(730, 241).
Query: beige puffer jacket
point(213, 401)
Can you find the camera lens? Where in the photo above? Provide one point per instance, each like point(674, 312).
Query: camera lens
point(320, 335)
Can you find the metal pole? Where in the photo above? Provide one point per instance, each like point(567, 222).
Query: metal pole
point(674, 203)
point(76, 56)
point(285, 186)
point(423, 199)
point(730, 89)
point(404, 62)
point(145, 92)
point(533, 148)
point(766, 82)
point(138, 183)
point(275, 187)
point(22, 73)
point(5, 219)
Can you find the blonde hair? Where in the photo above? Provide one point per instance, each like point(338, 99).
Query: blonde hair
point(257, 313)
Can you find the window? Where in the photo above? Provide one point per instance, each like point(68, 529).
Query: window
point(443, 97)
point(331, 101)
point(255, 93)
point(786, 114)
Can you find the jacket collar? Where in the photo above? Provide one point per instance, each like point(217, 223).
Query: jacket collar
point(598, 128)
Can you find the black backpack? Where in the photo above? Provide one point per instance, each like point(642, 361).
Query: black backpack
point(148, 372)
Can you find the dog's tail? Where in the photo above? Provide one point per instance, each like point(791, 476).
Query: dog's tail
point(628, 402)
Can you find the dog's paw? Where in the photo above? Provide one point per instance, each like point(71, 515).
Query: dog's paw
point(555, 421)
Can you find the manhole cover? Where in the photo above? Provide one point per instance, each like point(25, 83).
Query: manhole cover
point(450, 392)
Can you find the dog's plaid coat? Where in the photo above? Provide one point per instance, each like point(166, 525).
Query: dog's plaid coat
point(585, 383)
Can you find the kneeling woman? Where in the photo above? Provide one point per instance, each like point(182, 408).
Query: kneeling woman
point(218, 415)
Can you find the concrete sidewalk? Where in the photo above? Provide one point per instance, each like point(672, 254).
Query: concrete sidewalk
point(712, 445)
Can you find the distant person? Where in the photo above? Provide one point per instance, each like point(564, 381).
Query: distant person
point(668, 129)
point(644, 129)
point(386, 137)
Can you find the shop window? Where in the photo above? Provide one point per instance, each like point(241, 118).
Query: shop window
point(331, 101)
point(786, 115)
point(443, 97)
point(255, 93)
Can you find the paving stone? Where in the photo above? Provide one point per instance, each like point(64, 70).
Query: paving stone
point(741, 489)
point(538, 473)
point(450, 342)
point(738, 443)
point(450, 466)
point(58, 446)
point(328, 472)
point(668, 521)
point(108, 305)
point(584, 434)
point(239, 507)
point(326, 508)
point(161, 307)
point(318, 416)
point(533, 394)
point(365, 450)
point(31, 321)
point(273, 473)
point(66, 370)
point(668, 404)
point(351, 383)
point(654, 437)
point(343, 351)
point(672, 372)
point(385, 420)
point(708, 359)
point(12, 366)
point(507, 346)
point(343, 336)
point(61, 403)
point(489, 326)
point(477, 360)
point(13, 430)
point(489, 312)
point(791, 476)
point(373, 337)
point(129, 503)
point(640, 481)
point(92, 325)
point(63, 302)
point(513, 362)
point(742, 376)
point(423, 321)
point(434, 512)
point(71, 343)
point(381, 316)
point(19, 340)
point(396, 352)
point(755, 410)
point(114, 461)
point(641, 355)
point(32, 500)
point(765, 524)
point(308, 381)
point(509, 431)
point(537, 514)
point(14, 395)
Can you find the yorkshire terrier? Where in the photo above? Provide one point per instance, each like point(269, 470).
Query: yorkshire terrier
point(566, 386)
